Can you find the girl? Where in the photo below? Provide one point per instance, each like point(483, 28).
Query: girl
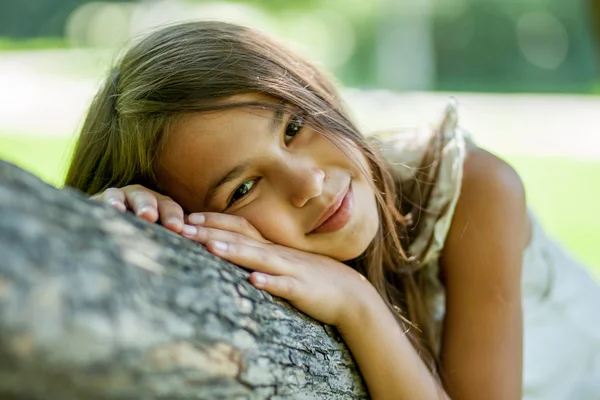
point(414, 246)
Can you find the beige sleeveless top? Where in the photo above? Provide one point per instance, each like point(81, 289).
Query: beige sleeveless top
point(561, 302)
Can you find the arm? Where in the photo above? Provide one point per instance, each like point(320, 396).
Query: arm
point(388, 362)
point(481, 353)
point(327, 290)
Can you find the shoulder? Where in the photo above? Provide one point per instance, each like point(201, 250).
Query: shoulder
point(490, 221)
point(484, 173)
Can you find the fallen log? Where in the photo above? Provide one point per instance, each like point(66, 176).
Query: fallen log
point(95, 304)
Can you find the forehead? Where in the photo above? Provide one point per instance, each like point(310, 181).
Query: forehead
point(212, 132)
point(203, 146)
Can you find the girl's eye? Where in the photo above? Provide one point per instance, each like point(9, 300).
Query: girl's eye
point(292, 128)
point(242, 191)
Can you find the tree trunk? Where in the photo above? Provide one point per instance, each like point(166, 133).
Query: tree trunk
point(95, 304)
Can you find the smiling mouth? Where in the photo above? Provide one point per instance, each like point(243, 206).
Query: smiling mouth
point(338, 214)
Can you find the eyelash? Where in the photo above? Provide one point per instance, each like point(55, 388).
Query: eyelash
point(295, 122)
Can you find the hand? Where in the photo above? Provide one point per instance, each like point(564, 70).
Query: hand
point(319, 286)
point(146, 204)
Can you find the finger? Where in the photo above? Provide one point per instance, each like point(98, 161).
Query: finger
point(280, 286)
point(203, 235)
point(170, 213)
point(142, 202)
point(232, 223)
point(113, 197)
point(258, 258)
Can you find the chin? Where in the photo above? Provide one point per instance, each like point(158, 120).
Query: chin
point(356, 254)
point(359, 237)
point(355, 246)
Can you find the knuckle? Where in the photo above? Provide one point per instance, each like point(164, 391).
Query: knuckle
point(225, 220)
point(240, 239)
point(111, 191)
point(233, 248)
point(137, 190)
point(243, 223)
point(139, 197)
point(106, 197)
point(160, 196)
point(248, 229)
point(167, 202)
point(211, 218)
point(263, 257)
point(163, 198)
point(132, 194)
point(288, 287)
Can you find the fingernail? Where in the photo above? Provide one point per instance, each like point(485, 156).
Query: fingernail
point(190, 230)
point(221, 246)
point(197, 219)
point(145, 210)
point(260, 279)
point(173, 221)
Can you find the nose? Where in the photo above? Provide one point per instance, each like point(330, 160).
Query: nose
point(304, 181)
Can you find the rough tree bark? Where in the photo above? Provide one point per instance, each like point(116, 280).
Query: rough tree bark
point(95, 304)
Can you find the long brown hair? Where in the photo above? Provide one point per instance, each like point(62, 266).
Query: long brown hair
point(192, 67)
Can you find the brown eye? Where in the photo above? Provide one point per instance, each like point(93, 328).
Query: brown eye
point(292, 128)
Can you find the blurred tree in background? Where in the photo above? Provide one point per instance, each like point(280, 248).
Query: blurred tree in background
point(37, 18)
point(595, 8)
point(517, 45)
point(472, 45)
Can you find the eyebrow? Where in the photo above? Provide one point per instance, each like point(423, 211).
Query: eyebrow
point(239, 169)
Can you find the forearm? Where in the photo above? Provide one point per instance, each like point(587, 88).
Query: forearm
point(387, 361)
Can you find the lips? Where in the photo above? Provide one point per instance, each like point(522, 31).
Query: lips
point(337, 215)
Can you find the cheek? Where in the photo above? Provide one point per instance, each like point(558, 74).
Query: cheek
point(273, 223)
point(373, 219)
point(368, 224)
point(366, 193)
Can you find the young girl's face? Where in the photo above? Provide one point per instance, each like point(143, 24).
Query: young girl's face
point(296, 187)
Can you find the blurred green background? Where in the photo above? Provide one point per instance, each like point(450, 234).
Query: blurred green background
point(526, 73)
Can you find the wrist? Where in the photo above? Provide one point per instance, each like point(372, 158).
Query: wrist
point(362, 304)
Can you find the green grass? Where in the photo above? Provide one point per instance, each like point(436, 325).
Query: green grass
point(563, 192)
point(42, 43)
point(45, 157)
